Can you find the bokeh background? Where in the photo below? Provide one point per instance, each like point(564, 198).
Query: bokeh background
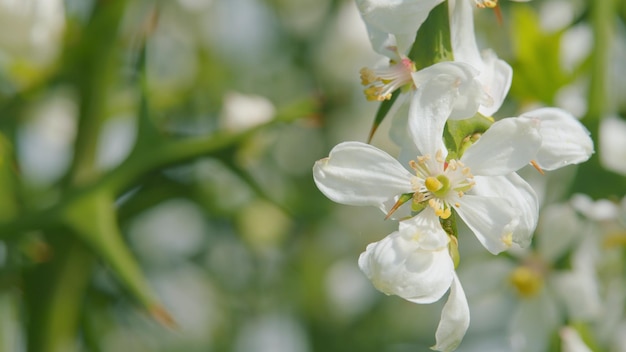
point(235, 241)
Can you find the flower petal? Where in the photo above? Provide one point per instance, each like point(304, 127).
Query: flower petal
point(400, 18)
point(455, 318)
point(527, 333)
point(443, 91)
point(495, 75)
point(491, 219)
point(571, 340)
point(564, 140)
point(520, 196)
point(397, 265)
point(508, 145)
point(356, 173)
point(426, 229)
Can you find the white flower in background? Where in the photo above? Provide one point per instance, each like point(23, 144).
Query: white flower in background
point(613, 144)
point(359, 174)
point(241, 112)
point(532, 283)
point(414, 263)
point(607, 239)
point(30, 30)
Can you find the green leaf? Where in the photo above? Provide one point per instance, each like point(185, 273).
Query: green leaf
point(538, 71)
point(458, 134)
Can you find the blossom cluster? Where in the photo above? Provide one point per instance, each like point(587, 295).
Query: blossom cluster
point(444, 172)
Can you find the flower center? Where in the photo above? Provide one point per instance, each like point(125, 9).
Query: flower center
point(527, 281)
point(381, 83)
point(440, 184)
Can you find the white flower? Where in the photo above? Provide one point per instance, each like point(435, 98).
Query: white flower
point(532, 283)
point(414, 263)
point(360, 174)
point(392, 27)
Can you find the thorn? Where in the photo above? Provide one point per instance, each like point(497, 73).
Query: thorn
point(537, 167)
point(164, 318)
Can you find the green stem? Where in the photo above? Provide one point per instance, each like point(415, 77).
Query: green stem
point(56, 298)
point(603, 21)
point(98, 61)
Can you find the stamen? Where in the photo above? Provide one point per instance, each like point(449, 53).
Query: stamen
point(537, 167)
point(381, 83)
point(490, 4)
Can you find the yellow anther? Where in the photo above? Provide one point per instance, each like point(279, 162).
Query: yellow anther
point(527, 282)
point(367, 76)
point(508, 240)
point(490, 4)
point(457, 205)
point(439, 156)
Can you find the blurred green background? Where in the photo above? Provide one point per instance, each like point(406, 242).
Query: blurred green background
point(155, 168)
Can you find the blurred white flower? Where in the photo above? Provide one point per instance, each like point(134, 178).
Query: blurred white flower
point(45, 141)
point(534, 282)
point(613, 144)
point(241, 112)
point(30, 31)
point(272, 333)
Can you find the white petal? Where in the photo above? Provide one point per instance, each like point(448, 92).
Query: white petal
point(400, 18)
point(455, 318)
point(559, 229)
point(527, 332)
point(495, 75)
point(356, 173)
point(565, 140)
point(520, 196)
point(491, 219)
point(397, 265)
point(508, 145)
point(437, 98)
point(571, 341)
point(586, 303)
point(426, 229)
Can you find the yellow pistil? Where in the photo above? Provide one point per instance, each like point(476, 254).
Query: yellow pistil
point(527, 282)
point(433, 184)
